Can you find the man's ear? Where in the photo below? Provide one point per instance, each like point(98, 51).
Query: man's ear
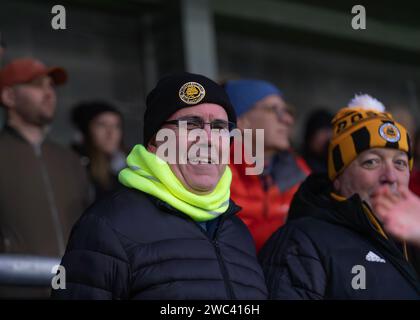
point(151, 146)
point(8, 97)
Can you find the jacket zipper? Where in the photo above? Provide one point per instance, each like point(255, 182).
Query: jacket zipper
point(51, 201)
point(223, 270)
point(222, 265)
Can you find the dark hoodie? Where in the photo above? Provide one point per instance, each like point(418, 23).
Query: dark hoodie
point(335, 249)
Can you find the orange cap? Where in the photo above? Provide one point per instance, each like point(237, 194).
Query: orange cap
point(24, 70)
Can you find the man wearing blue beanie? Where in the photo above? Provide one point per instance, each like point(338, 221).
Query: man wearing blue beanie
point(244, 94)
point(265, 199)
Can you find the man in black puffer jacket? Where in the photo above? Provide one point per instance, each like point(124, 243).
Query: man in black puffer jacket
point(171, 232)
point(333, 245)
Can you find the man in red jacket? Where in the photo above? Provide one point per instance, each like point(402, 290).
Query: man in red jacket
point(265, 198)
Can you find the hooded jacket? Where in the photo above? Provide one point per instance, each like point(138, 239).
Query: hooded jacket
point(335, 249)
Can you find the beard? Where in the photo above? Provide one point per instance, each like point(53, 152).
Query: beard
point(44, 120)
point(39, 117)
point(39, 120)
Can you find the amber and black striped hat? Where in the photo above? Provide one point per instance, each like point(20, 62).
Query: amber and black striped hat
point(363, 125)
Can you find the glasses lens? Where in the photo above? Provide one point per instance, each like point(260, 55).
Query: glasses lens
point(220, 125)
point(192, 122)
point(198, 123)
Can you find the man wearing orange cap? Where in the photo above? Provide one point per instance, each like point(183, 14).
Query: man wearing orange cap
point(43, 188)
point(334, 245)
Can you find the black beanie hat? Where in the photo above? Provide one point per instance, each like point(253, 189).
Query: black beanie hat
point(181, 90)
point(83, 113)
point(318, 119)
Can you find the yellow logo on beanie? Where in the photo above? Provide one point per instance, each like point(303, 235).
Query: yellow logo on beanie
point(192, 92)
point(390, 132)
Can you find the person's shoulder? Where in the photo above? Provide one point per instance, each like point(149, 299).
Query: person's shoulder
point(6, 137)
point(57, 148)
point(318, 228)
point(324, 235)
point(310, 224)
point(101, 229)
point(307, 227)
point(122, 206)
point(295, 237)
point(130, 214)
point(3, 133)
point(127, 198)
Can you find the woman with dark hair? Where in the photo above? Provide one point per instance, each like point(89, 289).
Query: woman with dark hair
point(101, 145)
point(318, 133)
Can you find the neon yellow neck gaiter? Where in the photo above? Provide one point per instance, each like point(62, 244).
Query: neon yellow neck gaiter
point(148, 173)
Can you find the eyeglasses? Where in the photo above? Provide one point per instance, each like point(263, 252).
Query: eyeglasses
point(280, 113)
point(198, 123)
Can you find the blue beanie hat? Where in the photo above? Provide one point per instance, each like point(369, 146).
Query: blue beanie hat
point(243, 94)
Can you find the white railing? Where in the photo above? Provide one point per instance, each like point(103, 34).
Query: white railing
point(27, 270)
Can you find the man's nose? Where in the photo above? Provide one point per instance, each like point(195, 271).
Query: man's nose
point(389, 174)
point(49, 91)
point(287, 118)
point(207, 128)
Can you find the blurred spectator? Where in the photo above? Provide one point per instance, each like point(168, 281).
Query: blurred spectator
point(101, 149)
point(415, 174)
point(265, 199)
point(43, 187)
point(318, 133)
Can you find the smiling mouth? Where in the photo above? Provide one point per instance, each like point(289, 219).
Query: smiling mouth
point(201, 161)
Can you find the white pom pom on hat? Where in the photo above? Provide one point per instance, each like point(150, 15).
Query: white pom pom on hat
point(367, 102)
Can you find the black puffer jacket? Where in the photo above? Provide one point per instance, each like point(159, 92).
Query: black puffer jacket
point(134, 246)
point(313, 255)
